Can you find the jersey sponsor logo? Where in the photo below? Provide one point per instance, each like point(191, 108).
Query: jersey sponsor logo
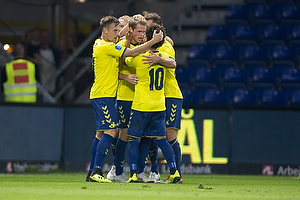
point(268, 170)
point(117, 47)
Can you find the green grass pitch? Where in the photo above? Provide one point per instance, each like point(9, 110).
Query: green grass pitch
point(205, 187)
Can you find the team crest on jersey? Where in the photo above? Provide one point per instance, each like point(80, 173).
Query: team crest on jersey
point(117, 47)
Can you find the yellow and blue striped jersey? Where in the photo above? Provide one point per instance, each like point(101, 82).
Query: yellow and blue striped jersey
point(105, 67)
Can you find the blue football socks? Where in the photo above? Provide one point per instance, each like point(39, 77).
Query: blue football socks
point(113, 148)
point(120, 156)
point(153, 156)
point(133, 153)
point(143, 154)
point(103, 149)
point(177, 152)
point(93, 153)
point(167, 151)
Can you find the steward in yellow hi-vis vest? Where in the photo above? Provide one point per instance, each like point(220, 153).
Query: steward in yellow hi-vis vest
point(20, 85)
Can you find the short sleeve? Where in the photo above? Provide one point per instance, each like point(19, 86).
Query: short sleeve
point(128, 61)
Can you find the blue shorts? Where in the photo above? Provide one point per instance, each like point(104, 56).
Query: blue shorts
point(153, 123)
point(173, 112)
point(105, 113)
point(123, 109)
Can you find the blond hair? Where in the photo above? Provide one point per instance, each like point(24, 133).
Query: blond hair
point(137, 19)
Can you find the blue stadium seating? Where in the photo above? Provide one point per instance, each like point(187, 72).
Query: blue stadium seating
point(218, 34)
point(190, 97)
point(206, 76)
point(216, 97)
point(245, 97)
point(271, 97)
point(254, 53)
point(202, 90)
point(263, 14)
point(289, 14)
point(262, 76)
point(284, 54)
point(295, 34)
point(274, 34)
point(233, 76)
point(224, 53)
point(237, 14)
point(183, 75)
point(295, 98)
point(232, 88)
point(199, 54)
point(245, 34)
point(290, 76)
point(279, 67)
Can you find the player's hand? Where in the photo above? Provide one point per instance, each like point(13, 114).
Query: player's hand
point(133, 79)
point(128, 35)
point(158, 36)
point(153, 59)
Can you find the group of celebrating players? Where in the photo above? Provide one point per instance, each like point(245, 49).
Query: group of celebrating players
point(135, 98)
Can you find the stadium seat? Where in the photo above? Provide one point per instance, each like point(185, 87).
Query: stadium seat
point(190, 97)
point(295, 34)
point(221, 66)
point(284, 54)
point(206, 76)
point(263, 14)
point(224, 53)
point(245, 97)
point(295, 98)
point(255, 54)
point(274, 34)
point(218, 34)
point(231, 89)
point(202, 89)
point(290, 76)
point(216, 97)
point(262, 76)
point(289, 14)
point(271, 97)
point(237, 14)
point(199, 54)
point(183, 75)
point(233, 76)
point(245, 34)
point(279, 67)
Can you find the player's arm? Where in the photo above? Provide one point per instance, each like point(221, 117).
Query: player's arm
point(132, 78)
point(143, 47)
point(124, 30)
point(153, 59)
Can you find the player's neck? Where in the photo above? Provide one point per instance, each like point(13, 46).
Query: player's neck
point(104, 37)
point(133, 42)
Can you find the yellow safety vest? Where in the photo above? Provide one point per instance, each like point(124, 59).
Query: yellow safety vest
point(21, 83)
